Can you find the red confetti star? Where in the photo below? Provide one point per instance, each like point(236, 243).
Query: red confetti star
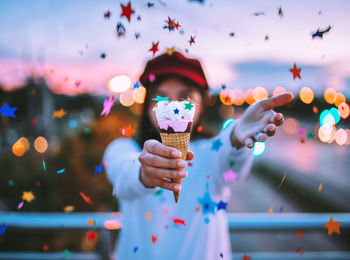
point(107, 14)
point(178, 221)
point(332, 226)
point(300, 233)
point(191, 41)
point(86, 198)
point(154, 48)
point(92, 235)
point(127, 11)
point(296, 71)
point(154, 239)
point(245, 257)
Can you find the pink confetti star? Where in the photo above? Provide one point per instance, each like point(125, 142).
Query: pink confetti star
point(107, 105)
point(230, 176)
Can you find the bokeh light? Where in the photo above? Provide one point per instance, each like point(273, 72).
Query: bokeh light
point(325, 133)
point(25, 142)
point(239, 97)
point(348, 136)
point(341, 136)
point(112, 224)
point(329, 95)
point(40, 144)
point(344, 110)
point(248, 96)
point(119, 84)
point(259, 148)
point(306, 95)
point(227, 96)
point(278, 90)
point(260, 93)
point(334, 112)
point(139, 94)
point(18, 149)
point(226, 111)
point(290, 126)
point(126, 98)
point(339, 98)
point(227, 123)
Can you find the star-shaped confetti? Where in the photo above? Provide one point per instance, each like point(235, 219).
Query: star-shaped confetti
point(320, 187)
point(107, 15)
point(148, 216)
point(154, 48)
point(136, 248)
point(28, 196)
point(127, 11)
point(222, 205)
point(85, 198)
point(207, 204)
point(332, 226)
point(149, 4)
point(176, 111)
point(178, 221)
point(3, 228)
point(7, 111)
point(91, 235)
point(120, 29)
point(91, 222)
point(98, 169)
point(216, 145)
point(245, 257)
point(59, 113)
point(137, 35)
point(61, 171)
point(230, 176)
point(296, 71)
point(171, 25)
point(192, 41)
point(310, 135)
point(170, 51)
point(189, 106)
point(103, 55)
point(159, 98)
point(107, 105)
point(154, 239)
point(319, 33)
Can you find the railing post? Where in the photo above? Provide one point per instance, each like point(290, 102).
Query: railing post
point(106, 246)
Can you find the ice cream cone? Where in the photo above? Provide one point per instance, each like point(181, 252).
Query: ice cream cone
point(180, 142)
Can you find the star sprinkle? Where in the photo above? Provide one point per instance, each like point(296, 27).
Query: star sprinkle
point(258, 13)
point(154, 239)
point(176, 111)
point(232, 163)
point(191, 41)
point(44, 165)
point(221, 255)
point(178, 221)
point(189, 106)
point(333, 227)
point(7, 111)
point(283, 178)
point(216, 145)
point(171, 25)
point(68, 208)
point(107, 15)
point(103, 55)
point(159, 98)
point(98, 169)
point(59, 113)
point(230, 176)
point(320, 187)
point(149, 4)
point(91, 235)
point(245, 257)
point(319, 33)
point(136, 248)
point(137, 35)
point(300, 234)
point(20, 205)
point(170, 51)
point(296, 71)
point(310, 135)
point(107, 105)
point(207, 204)
point(148, 216)
point(77, 83)
point(120, 29)
point(28, 196)
point(222, 205)
point(127, 11)
point(280, 11)
point(86, 198)
point(3, 228)
point(154, 48)
point(61, 171)
point(91, 222)
point(67, 254)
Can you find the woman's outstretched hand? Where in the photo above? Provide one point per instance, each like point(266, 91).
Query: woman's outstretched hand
point(259, 121)
point(160, 162)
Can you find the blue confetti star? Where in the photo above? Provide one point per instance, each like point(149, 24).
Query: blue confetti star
point(61, 171)
point(98, 169)
point(6, 110)
point(222, 205)
point(136, 248)
point(216, 145)
point(176, 111)
point(221, 255)
point(207, 204)
point(159, 98)
point(3, 228)
point(137, 84)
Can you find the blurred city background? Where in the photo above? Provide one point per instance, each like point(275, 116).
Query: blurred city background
point(60, 61)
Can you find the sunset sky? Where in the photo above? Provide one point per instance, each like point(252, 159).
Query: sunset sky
point(63, 41)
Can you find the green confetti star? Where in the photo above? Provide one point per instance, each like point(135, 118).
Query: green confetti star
point(159, 98)
point(189, 106)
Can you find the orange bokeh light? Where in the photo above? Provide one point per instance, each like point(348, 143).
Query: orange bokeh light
point(344, 110)
point(40, 144)
point(126, 98)
point(18, 149)
point(338, 99)
point(306, 95)
point(260, 93)
point(139, 94)
point(278, 90)
point(227, 96)
point(239, 97)
point(248, 96)
point(290, 126)
point(329, 95)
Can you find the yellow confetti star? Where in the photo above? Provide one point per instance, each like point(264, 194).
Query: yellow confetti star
point(333, 227)
point(170, 51)
point(270, 210)
point(148, 216)
point(320, 187)
point(28, 196)
point(91, 222)
point(198, 208)
point(68, 208)
point(59, 113)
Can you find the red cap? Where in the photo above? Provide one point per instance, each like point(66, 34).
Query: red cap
point(174, 64)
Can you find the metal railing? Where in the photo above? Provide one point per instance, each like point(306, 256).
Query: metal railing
point(236, 221)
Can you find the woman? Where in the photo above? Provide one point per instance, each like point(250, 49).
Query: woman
point(154, 227)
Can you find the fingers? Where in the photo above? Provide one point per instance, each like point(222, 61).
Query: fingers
point(165, 184)
point(154, 172)
point(276, 101)
point(161, 162)
point(278, 119)
point(249, 142)
point(189, 156)
point(155, 147)
point(270, 129)
point(260, 136)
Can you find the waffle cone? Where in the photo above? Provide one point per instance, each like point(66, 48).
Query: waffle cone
point(180, 142)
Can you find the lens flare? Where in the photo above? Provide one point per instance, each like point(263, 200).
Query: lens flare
point(119, 84)
point(126, 98)
point(259, 148)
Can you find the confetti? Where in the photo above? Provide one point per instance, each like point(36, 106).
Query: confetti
point(320, 187)
point(77, 83)
point(222, 205)
point(154, 239)
point(319, 33)
point(107, 105)
point(190, 164)
point(20, 205)
point(154, 48)
point(230, 176)
point(189, 106)
point(28, 196)
point(170, 51)
point(258, 13)
point(120, 29)
point(137, 35)
point(171, 25)
point(44, 165)
point(98, 169)
point(91, 222)
point(107, 15)
point(280, 11)
point(127, 11)
point(136, 248)
point(68, 208)
point(149, 4)
point(148, 216)
point(283, 178)
point(270, 211)
point(86, 198)
point(216, 145)
point(332, 226)
point(245, 257)
point(207, 204)
point(300, 234)
point(7, 111)
point(192, 41)
point(59, 113)
point(67, 254)
point(299, 250)
point(221, 255)
point(103, 55)
point(3, 227)
point(91, 235)
point(61, 171)
point(178, 221)
point(159, 98)
point(296, 71)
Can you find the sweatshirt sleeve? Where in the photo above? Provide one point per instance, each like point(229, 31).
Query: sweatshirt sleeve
point(228, 164)
point(122, 167)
